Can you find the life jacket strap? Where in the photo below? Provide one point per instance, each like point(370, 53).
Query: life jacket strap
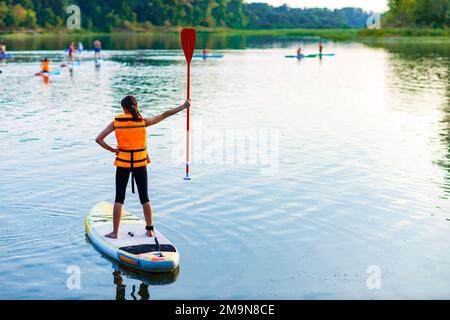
point(132, 162)
point(127, 119)
point(133, 150)
point(129, 161)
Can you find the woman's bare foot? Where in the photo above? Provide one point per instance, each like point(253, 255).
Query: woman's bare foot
point(150, 233)
point(111, 235)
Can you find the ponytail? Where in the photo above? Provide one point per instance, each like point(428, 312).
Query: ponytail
point(136, 115)
point(130, 103)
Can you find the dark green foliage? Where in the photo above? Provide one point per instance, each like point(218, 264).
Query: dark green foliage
point(418, 13)
point(108, 15)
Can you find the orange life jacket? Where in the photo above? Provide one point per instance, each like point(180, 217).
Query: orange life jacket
point(132, 140)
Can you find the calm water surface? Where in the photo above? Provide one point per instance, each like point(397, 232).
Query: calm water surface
point(362, 179)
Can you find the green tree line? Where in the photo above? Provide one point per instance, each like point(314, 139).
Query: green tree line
point(418, 13)
point(108, 15)
point(261, 15)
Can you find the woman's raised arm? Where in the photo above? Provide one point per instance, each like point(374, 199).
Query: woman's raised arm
point(154, 120)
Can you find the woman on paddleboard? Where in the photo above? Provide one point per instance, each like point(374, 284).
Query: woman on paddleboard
point(132, 157)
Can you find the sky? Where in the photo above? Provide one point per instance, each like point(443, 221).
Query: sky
point(369, 5)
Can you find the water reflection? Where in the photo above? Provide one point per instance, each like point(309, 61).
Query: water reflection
point(122, 276)
point(413, 49)
point(146, 281)
point(423, 80)
point(445, 138)
point(168, 41)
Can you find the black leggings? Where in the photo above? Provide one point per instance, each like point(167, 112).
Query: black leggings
point(140, 176)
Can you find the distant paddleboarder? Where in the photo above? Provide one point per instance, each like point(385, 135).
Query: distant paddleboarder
point(45, 66)
point(97, 48)
point(3, 49)
point(71, 50)
point(320, 47)
point(132, 157)
point(299, 52)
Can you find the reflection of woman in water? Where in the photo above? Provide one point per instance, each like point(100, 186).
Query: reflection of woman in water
point(121, 292)
point(120, 287)
point(143, 291)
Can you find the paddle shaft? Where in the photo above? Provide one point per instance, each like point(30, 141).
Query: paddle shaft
point(188, 117)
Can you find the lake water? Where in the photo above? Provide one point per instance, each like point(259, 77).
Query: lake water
point(347, 196)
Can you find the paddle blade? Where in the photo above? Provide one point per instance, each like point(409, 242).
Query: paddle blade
point(188, 38)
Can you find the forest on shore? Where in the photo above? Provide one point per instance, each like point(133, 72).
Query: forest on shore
point(106, 16)
point(418, 13)
point(142, 15)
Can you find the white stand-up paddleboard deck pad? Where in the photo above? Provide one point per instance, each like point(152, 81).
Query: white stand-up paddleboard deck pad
point(132, 246)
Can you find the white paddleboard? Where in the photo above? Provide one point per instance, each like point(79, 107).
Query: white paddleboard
point(132, 246)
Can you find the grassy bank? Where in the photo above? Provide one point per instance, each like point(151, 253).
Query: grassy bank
point(404, 32)
point(347, 34)
point(333, 34)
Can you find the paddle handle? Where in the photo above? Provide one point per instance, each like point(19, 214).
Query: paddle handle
point(188, 120)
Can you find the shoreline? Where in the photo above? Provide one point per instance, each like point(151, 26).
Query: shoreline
point(332, 34)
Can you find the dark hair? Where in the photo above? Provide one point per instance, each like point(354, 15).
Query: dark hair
point(130, 103)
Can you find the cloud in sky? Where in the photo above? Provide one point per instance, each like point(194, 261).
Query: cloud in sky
point(372, 5)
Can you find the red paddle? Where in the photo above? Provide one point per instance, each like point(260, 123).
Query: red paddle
point(188, 37)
